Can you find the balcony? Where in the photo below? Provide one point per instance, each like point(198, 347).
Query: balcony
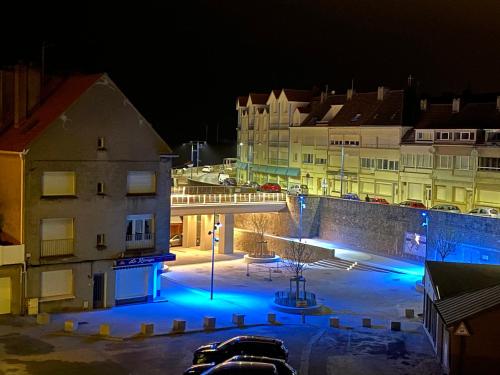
point(274, 161)
point(278, 143)
point(140, 241)
point(54, 248)
point(11, 254)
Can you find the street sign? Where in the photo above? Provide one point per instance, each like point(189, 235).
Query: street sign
point(139, 261)
point(462, 330)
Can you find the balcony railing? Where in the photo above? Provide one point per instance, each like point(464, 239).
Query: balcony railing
point(274, 161)
point(140, 241)
point(278, 143)
point(54, 248)
point(244, 198)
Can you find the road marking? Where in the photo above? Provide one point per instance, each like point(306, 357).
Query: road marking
point(306, 353)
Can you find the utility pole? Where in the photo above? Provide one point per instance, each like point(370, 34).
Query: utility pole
point(342, 169)
point(214, 240)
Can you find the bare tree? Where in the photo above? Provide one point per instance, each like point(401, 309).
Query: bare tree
point(260, 223)
point(296, 257)
point(445, 243)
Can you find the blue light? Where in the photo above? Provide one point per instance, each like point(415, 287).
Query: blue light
point(424, 214)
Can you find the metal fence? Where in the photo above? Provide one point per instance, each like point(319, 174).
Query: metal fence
point(236, 198)
point(51, 248)
point(290, 298)
point(140, 241)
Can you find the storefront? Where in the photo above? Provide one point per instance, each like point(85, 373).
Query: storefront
point(138, 279)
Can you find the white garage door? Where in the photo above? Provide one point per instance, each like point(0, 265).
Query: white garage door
point(5, 295)
point(132, 283)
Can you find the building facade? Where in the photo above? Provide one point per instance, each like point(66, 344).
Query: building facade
point(93, 213)
point(382, 143)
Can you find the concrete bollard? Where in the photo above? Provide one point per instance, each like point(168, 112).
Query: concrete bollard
point(208, 323)
point(104, 330)
point(69, 326)
point(367, 322)
point(43, 318)
point(179, 326)
point(395, 326)
point(334, 322)
point(271, 318)
point(239, 320)
point(409, 313)
point(147, 329)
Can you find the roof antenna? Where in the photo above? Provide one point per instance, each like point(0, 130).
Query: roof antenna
point(352, 84)
point(410, 81)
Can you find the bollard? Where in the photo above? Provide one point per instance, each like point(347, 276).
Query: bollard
point(239, 320)
point(69, 326)
point(179, 326)
point(395, 326)
point(271, 318)
point(43, 318)
point(147, 329)
point(367, 322)
point(208, 323)
point(334, 322)
point(104, 330)
point(409, 313)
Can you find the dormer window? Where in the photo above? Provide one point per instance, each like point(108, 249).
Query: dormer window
point(443, 136)
point(424, 136)
point(356, 117)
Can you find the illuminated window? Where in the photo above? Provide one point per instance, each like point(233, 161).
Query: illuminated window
point(58, 183)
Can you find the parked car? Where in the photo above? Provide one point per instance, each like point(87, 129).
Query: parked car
point(249, 187)
point(413, 204)
point(270, 187)
point(282, 367)
point(243, 368)
point(207, 169)
point(218, 352)
point(176, 240)
point(230, 181)
point(447, 208)
point(378, 200)
point(297, 189)
point(351, 196)
point(222, 177)
point(485, 211)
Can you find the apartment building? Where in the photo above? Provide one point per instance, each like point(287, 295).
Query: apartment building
point(377, 143)
point(86, 181)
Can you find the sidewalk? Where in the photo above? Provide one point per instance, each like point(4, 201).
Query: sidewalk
point(193, 255)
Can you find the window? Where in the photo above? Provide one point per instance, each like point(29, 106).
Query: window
point(320, 161)
point(58, 183)
point(445, 162)
point(101, 240)
point(408, 160)
point(424, 135)
point(356, 117)
point(100, 143)
point(141, 182)
point(441, 193)
point(424, 161)
point(100, 188)
point(393, 165)
point(308, 158)
point(492, 164)
point(443, 136)
point(140, 233)
point(57, 283)
point(57, 237)
point(367, 163)
point(462, 162)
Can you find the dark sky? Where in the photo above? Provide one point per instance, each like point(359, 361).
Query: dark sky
point(183, 64)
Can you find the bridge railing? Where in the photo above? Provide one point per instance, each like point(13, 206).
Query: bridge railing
point(236, 198)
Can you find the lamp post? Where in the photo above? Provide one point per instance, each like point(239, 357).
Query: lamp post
point(214, 240)
point(302, 205)
point(197, 162)
point(425, 224)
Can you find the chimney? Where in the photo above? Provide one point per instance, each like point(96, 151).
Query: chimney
point(350, 93)
point(498, 103)
point(423, 105)
point(455, 105)
point(20, 93)
point(381, 91)
point(322, 97)
point(34, 88)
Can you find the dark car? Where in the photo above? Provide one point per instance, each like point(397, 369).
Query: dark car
point(282, 367)
point(229, 182)
point(250, 345)
point(270, 187)
point(250, 187)
point(413, 204)
point(378, 200)
point(243, 368)
point(351, 196)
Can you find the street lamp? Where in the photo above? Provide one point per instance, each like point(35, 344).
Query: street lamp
point(425, 224)
point(197, 143)
point(214, 240)
point(302, 205)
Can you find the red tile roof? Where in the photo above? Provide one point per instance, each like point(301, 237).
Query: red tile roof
point(18, 138)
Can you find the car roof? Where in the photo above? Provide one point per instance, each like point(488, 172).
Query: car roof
point(255, 338)
point(235, 365)
point(255, 358)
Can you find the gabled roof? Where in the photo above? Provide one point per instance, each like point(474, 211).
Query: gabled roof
point(259, 99)
point(241, 101)
point(460, 307)
point(357, 111)
point(470, 116)
point(297, 95)
point(18, 138)
point(452, 279)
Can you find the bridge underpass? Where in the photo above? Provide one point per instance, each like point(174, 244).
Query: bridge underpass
point(201, 207)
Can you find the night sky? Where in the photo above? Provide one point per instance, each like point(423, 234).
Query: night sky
point(183, 64)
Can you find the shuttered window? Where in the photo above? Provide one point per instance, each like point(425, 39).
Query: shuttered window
point(57, 229)
point(57, 283)
point(58, 183)
point(141, 182)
